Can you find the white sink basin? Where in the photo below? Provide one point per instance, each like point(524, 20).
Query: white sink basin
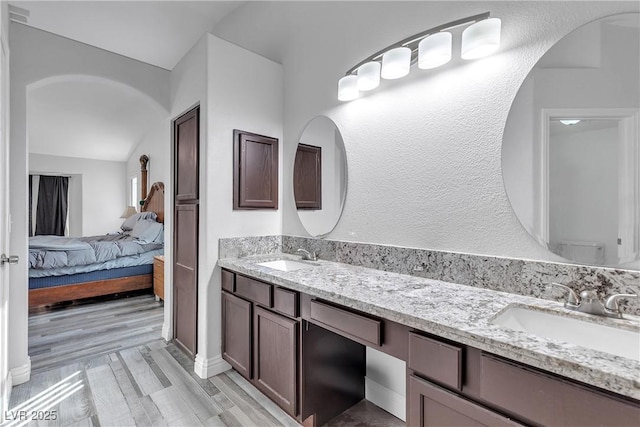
point(286, 265)
point(617, 341)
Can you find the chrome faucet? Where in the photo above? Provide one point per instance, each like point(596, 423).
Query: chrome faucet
point(589, 302)
point(311, 256)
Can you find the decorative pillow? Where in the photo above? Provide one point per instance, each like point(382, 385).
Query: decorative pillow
point(147, 231)
point(128, 223)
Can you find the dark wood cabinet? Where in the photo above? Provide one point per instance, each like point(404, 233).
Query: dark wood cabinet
point(454, 384)
point(236, 333)
point(308, 356)
point(430, 405)
point(275, 340)
point(307, 177)
point(255, 171)
point(262, 345)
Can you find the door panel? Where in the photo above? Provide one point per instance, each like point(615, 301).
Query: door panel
point(275, 364)
point(4, 217)
point(236, 333)
point(187, 141)
point(185, 292)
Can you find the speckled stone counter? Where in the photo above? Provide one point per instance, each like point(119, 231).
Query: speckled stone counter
point(457, 312)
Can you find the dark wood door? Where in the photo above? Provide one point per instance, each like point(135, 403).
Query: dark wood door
point(185, 240)
point(236, 333)
point(430, 405)
point(275, 358)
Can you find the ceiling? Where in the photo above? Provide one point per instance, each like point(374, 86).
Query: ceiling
point(90, 118)
point(99, 119)
point(134, 29)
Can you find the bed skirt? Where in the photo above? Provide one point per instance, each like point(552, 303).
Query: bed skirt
point(93, 276)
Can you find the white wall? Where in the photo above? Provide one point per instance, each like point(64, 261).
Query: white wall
point(187, 89)
point(243, 91)
point(424, 152)
point(36, 56)
point(155, 144)
point(103, 189)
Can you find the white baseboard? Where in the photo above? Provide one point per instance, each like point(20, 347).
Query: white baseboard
point(387, 399)
point(21, 374)
point(6, 396)
point(166, 332)
point(213, 366)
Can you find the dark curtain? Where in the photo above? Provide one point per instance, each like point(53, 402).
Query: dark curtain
point(51, 215)
point(30, 205)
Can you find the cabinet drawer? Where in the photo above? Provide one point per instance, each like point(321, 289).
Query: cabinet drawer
point(430, 405)
point(285, 302)
point(352, 325)
point(254, 290)
point(547, 400)
point(436, 360)
point(228, 281)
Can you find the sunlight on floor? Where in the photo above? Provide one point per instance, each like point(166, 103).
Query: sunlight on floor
point(40, 406)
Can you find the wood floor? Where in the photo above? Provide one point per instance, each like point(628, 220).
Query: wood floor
point(105, 364)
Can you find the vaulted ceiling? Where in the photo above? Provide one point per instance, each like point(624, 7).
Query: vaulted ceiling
point(97, 119)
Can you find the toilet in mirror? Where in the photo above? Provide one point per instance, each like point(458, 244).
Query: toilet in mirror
point(320, 176)
point(570, 153)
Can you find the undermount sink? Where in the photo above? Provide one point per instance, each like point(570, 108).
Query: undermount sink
point(286, 265)
point(612, 340)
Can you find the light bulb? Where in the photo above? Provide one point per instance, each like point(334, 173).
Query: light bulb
point(369, 76)
point(435, 50)
point(396, 63)
point(348, 88)
point(481, 39)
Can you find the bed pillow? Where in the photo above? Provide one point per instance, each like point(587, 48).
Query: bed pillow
point(128, 223)
point(147, 231)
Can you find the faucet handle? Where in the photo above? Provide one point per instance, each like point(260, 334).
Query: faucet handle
point(573, 299)
point(612, 302)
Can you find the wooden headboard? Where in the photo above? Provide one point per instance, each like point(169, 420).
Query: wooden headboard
point(155, 201)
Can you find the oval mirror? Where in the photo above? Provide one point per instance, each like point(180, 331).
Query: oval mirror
point(320, 176)
point(570, 155)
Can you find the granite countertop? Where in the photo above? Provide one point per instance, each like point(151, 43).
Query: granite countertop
point(456, 312)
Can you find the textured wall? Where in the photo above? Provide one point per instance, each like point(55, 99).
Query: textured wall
point(424, 152)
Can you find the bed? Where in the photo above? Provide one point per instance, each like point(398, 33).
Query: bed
point(64, 269)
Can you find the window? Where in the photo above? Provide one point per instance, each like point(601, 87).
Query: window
point(134, 197)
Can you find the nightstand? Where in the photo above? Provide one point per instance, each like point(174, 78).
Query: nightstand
point(158, 277)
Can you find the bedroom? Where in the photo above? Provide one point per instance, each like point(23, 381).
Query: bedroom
point(94, 161)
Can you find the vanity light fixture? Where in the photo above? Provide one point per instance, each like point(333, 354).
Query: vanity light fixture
point(429, 49)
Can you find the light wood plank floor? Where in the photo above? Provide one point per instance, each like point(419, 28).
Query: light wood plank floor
point(105, 364)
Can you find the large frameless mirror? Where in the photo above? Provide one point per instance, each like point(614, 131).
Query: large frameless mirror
point(570, 153)
point(320, 176)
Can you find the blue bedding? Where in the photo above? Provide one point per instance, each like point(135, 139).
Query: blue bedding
point(54, 252)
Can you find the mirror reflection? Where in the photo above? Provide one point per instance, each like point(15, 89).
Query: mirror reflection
point(570, 153)
point(320, 176)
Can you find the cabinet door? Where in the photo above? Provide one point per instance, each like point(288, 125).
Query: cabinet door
point(430, 405)
point(236, 333)
point(275, 361)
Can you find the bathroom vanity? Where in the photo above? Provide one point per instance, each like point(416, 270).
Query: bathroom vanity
point(300, 335)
